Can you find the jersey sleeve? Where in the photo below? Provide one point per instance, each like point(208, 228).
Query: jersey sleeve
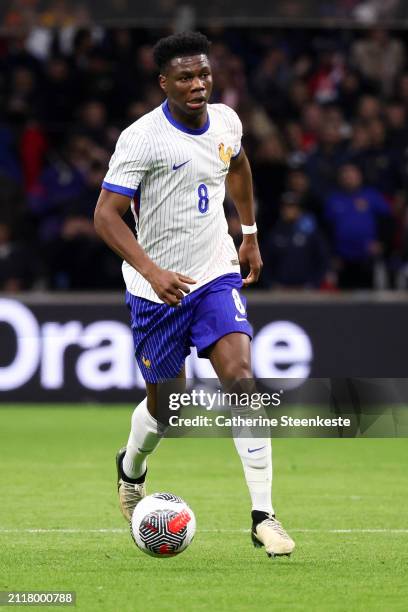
point(238, 136)
point(235, 125)
point(129, 163)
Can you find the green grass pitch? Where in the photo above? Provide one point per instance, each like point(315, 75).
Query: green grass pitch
point(343, 501)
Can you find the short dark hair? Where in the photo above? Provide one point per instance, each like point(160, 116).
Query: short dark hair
point(179, 45)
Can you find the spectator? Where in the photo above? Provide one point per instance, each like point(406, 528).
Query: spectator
point(73, 253)
point(271, 80)
point(354, 213)
point(82, 49)
point(312, 122)
point(16, 265)
point(324, 83)
point(61, 182)
point(23, 97)
point(381, 164)
point(92, 122)
point(396, 117)
point(369, 107)
point(33, 147)
point(379, 58)
point(359, 144)
point(97, 80)
point(58, 93)
point(349, 91)
point(323, 163)
point(298, 183)
point(270, 168)
point(297, 154)
point(299, 96)
point(146, 68)
point(296, 255)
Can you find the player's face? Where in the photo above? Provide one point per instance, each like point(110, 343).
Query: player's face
point(188, 84)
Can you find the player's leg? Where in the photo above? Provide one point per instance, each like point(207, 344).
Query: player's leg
point(145, 435)
point(131, 460)
point(160, 338)
point(221, 332)
point(146, 432)
point(231, 359)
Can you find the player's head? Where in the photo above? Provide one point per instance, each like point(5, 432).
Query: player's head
point(185, 71)
point(350, 177)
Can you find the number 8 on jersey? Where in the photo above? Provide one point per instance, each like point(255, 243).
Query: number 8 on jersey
point(203, 199)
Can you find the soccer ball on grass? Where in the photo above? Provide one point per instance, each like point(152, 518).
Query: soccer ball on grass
point(163, 525)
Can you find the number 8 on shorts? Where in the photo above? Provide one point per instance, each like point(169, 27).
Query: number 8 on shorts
point(238, 302)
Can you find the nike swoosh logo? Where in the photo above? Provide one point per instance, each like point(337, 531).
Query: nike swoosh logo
point(175, 167)
point(253, 450)
point(237, 318)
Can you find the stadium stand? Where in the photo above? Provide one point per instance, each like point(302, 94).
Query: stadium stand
point(313, 103)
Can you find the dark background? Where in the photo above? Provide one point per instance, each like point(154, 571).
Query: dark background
point(358, 339)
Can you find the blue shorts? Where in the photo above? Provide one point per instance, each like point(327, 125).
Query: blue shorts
point(163, 334)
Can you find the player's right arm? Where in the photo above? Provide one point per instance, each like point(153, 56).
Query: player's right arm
point(110, 226)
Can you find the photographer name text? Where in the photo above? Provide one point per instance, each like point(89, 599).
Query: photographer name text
point(257, 421)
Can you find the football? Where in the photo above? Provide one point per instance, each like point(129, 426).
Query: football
point(163, 525)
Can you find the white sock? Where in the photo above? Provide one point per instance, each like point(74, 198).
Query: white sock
point(257, 469)
point(145, 435)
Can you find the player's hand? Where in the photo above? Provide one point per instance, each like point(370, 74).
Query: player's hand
point(170, 286)
point(250, 257)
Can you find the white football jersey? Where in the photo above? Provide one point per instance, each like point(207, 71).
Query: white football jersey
point(176, 179)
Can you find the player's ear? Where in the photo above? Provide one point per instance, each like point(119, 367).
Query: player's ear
point(163, 82)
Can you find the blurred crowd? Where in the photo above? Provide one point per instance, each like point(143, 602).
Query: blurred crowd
point(67, 13)
point(325, 128)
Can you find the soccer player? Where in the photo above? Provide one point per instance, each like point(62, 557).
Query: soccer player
point(182, 273)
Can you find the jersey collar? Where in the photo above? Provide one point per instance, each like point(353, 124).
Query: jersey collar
point(180, 126)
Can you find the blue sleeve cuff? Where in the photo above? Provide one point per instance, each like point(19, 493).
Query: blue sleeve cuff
point(235, 156)
point(126, 191)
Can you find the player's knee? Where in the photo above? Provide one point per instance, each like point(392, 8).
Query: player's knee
point(238, 369)
point(152, 407)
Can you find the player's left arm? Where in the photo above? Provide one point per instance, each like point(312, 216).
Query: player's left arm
point(239, 185)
